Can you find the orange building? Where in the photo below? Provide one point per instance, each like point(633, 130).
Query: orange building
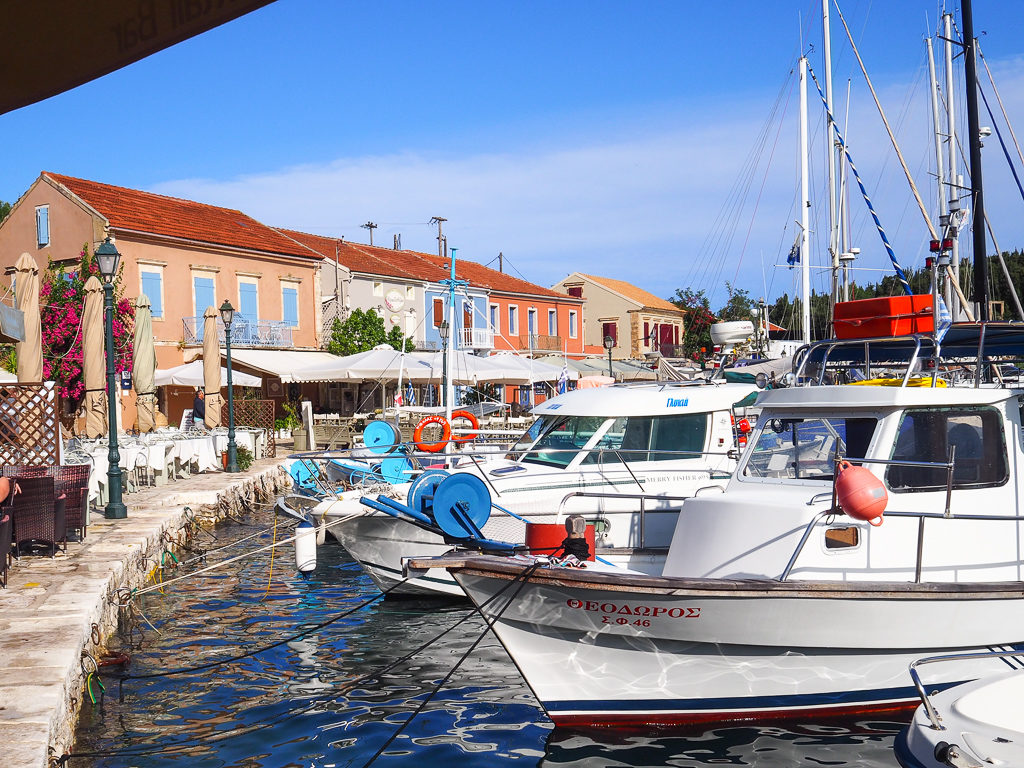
point(185, 256)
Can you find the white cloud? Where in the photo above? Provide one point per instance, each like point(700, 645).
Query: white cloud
point(658, 207)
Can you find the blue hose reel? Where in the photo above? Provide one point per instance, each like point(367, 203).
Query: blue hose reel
point(454, 506)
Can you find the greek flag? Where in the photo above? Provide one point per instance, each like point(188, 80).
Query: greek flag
point(563, 380)
point(410, 395)
point(945, 321)
point(794, 253)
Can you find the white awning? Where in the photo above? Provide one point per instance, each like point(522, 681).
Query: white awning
point(191, 375)
point(289, 365)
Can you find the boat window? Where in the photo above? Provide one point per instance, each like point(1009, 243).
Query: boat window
point(928, 434)
point(529, 437)
point(561, 442)
point(651, 438)
point(806, 449)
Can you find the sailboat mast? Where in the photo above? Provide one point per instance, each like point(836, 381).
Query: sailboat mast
point(833, 207)
point(953, 188)
point(973, 130)
point(805, 207)
point(939, 160)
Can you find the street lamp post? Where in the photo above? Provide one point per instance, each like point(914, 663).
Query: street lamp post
point(227, 314)
point(443, 330)
point(108, 259)
point(609, 342)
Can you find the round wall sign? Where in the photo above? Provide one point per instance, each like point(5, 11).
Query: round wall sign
point(394, 300)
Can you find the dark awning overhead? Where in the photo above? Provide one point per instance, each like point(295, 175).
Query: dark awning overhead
point(51, 46)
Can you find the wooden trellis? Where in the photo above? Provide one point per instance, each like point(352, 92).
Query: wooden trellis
point(254, 413)
point(29, 425)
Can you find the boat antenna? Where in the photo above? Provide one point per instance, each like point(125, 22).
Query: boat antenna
point(974, 134)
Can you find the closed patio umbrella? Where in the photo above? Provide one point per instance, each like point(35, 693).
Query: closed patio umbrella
point(211, 368)
point(93, 360)
point(29, 351)
point(144, 365)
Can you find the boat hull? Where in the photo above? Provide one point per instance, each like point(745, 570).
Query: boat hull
point(668, 651)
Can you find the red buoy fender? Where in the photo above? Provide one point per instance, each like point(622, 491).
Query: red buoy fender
point(860, 494)
point(446, 434)
point(473, 422)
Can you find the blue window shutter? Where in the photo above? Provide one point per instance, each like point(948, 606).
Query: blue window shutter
point(204, 294)
point(151, 287)
point(290, 311)
point(43, 225)
point(247, 300)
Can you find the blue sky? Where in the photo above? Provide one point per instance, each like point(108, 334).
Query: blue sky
point(615, 138)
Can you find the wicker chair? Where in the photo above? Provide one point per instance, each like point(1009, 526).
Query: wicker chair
point(35, 518)
point(72, 482)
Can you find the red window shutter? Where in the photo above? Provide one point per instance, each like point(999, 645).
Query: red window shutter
point(438, 312)
point(576, 290)
point(647, 333)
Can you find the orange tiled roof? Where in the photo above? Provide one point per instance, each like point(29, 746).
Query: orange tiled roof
point(131, 209)
point(413, 265)
point(636, 294)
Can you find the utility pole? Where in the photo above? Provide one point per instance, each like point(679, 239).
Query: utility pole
point(440, 235)
point(501, 261)
point(370, 226)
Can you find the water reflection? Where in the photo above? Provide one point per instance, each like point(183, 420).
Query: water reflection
point(335, 695)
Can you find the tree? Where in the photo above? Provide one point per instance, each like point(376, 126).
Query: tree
point(739, 306)
point(5, 210)
point(362, 331)
point(696, 327)
point(61, 303)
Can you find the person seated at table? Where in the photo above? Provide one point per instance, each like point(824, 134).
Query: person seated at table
point(199, 407)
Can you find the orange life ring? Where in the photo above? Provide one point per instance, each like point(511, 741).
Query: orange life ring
point(474, 423)
point(446, 434)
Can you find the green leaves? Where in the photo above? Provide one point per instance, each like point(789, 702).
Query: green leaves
point(362, 331)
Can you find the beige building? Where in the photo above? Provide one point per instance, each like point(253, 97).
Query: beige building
point(638, 322)
point(185, 256)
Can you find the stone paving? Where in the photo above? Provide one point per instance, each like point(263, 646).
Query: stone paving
point(51, 605)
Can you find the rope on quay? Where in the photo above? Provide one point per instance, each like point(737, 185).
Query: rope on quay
point(190, 743)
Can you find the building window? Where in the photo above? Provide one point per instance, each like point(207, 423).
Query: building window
point(495, 318)
point(647, 334)
point(203, 294)
point(531, 321)
point(438, 312)
point(410, 293)
point(552, 323)
point(576, 291)
point(573, 331)
point(152, 279)
point(43, 225)
point(378, 288)
point(610, 329)
point(290, 305)
point(513, 320)
point(248, 300)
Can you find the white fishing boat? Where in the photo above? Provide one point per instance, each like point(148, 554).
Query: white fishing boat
point(627, 453)
point(967, 726)
point(772, 602)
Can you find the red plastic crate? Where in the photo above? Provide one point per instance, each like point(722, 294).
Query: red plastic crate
point(888, 316)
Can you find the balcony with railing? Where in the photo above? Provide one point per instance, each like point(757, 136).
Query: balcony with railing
point(541, 343)
point(244, 333)
point(476, 338)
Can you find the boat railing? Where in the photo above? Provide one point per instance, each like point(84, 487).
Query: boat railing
point(804, 361)
point(642, 497)
point(929, 708)
point(921, 517)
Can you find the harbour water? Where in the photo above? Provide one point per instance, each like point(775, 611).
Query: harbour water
point(367, 676)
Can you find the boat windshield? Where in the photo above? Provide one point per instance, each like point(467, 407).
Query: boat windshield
point(806, 449)
point(561, 439)
point(538, 427)
point(651, 438)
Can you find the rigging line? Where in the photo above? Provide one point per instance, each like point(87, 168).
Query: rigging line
point(189, 742)
point(885, 122)
point(999, 135)
point(489, 624)
point(864, 193)
point(999, 99)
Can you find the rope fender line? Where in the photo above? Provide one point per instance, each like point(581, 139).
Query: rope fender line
point(317, 701)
